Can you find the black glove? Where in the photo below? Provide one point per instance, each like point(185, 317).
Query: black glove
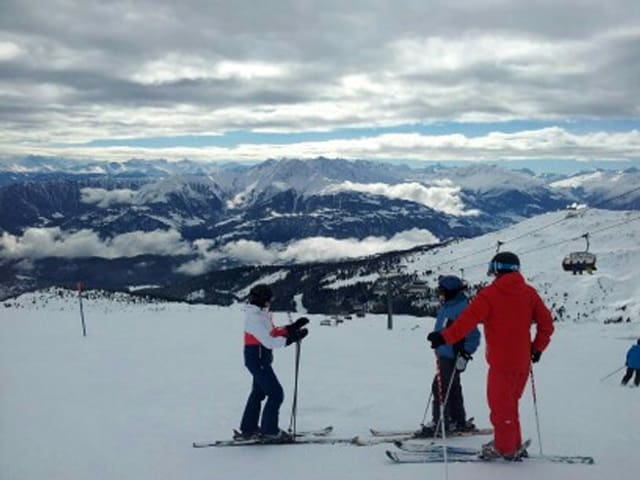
point(436, 339)
point(301, 322)
point(296, 335)
point(459, 350)
point(535, 356)
point(297, 325)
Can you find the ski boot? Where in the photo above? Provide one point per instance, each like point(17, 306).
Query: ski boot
point(428, 430)
point(464, 426)
point(490, 452)
point(279, 437)
point(239, 436)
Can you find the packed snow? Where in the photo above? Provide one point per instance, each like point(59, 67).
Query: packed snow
point(128, 400)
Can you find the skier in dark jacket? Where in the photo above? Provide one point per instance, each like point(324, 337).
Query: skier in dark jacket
point(452, 360)
point(633, 365)
point(260, 337)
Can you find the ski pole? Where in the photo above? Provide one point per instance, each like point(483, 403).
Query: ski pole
point(612, 373)
point(535, 406)
point(446, 399)
point(426, 408)
point(294, 403)
point(444, 436)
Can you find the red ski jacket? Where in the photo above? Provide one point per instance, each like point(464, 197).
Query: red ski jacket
point(506, 308)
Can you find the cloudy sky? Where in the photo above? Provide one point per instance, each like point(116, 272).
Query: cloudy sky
point(381, 80)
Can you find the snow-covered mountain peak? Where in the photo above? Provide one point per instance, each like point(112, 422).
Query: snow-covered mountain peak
point(607, 188)
point(193, 187)
point(579, 180)
point(482, 178)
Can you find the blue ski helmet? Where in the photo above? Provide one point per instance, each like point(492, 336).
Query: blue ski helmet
point(449, 286)
point(504, 262)
point(450, 283)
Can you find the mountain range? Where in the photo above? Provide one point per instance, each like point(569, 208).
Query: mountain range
point(147, 222)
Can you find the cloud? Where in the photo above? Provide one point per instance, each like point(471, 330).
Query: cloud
point(9, 50)
point(175, 68)
point(243, 251)
point(327, 249)
point(38, 243)
point(158, 68)
point(444, 198)
point(105, 198)
point(312, 249)
point(552, 144)
point(55, 242)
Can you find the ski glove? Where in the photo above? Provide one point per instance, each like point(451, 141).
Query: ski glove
point(436, 339)
point(296, 335)
point(535, 356)
point(297, 325)
point(461, 363)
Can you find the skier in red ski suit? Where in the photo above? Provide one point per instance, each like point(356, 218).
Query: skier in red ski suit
point(506, 308)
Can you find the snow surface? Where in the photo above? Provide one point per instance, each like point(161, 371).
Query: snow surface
point(127, 401)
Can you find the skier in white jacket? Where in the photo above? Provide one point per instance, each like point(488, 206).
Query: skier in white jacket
point(260, 338)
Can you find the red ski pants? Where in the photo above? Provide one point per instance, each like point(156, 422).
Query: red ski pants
point(504, 389)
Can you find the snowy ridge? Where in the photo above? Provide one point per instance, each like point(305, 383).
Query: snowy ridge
point(541, 243)
point(484, 178)
point(604, 186)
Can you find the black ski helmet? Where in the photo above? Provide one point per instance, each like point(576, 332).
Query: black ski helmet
point(449, 286)
point(504, 262)
point(260, 294)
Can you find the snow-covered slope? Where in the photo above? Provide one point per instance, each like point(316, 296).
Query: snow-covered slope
point(127, 401)
point(541, 243)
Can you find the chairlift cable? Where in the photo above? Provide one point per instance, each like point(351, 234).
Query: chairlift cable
point(598, 205)
point(560, 242)
point(535, 230)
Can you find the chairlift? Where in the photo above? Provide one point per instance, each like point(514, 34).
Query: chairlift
point(579, 262)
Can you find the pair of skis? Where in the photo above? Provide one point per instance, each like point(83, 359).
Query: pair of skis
point(322, 436)
point(390, 436)
point(408, 449)
point(430, 453)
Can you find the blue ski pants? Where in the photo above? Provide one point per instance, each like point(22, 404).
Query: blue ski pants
point(258, 360)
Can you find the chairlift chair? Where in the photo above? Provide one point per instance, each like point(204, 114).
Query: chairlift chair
point(578, 262)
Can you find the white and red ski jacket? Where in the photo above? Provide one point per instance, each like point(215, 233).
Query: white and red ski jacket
point(260, 330)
